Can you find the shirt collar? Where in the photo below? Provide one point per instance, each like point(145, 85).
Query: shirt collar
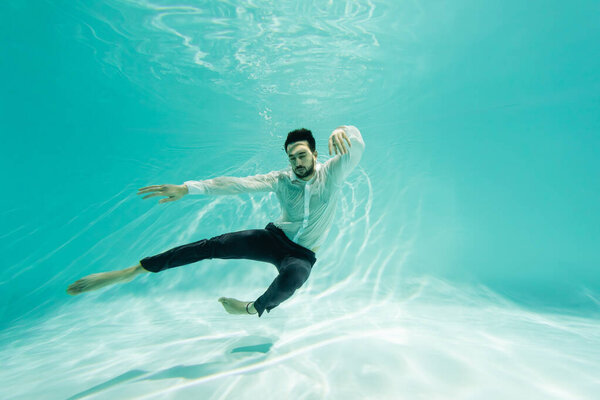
point(294, 177)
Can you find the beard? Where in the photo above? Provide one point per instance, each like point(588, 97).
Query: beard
point(305, 172)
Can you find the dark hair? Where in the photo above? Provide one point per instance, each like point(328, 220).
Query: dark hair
point(299, 135)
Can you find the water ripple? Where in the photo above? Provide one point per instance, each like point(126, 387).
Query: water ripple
point(325, 52)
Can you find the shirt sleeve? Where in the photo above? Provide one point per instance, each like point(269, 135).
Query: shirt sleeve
point(234, 185)
point(339, 167)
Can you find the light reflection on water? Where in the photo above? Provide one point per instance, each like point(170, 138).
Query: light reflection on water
point(414, 345)
point(260, 52)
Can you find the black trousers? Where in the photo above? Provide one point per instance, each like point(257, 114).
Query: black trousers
point(294, 262)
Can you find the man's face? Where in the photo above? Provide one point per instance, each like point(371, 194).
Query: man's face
point(301, 158)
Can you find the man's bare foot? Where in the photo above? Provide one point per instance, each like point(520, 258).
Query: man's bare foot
point(100, 280)
point(233, 306)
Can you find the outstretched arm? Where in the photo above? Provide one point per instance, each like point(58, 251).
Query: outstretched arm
point(347, 157)
point(216, 186)
point(234, 185)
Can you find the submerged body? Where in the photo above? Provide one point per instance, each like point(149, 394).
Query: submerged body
point(307, 192)
point(307, 206)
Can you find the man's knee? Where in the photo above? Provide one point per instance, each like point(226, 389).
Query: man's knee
point(294, 276)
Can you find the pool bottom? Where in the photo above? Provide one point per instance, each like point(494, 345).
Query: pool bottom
point(187, 347)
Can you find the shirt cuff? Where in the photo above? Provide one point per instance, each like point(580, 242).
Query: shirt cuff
point(195, 187)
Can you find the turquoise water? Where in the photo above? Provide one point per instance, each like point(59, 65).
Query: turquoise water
point(463, 260)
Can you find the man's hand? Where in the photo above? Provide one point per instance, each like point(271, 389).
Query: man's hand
point(173, 192)
point(336, 142)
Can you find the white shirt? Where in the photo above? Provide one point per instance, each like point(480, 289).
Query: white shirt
point(307, 207)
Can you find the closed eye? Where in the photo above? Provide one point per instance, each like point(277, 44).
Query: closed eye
point(301, 155)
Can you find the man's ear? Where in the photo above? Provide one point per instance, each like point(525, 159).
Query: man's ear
point(316, 153)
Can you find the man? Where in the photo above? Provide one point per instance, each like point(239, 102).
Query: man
point(308, 193)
